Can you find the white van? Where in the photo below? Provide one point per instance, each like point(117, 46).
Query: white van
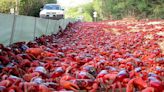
point(52, 11)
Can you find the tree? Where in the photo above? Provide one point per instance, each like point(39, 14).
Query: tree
point(97, 4)
point(51, 1)
point(106, 9)
point(118, 9)
point(5, 5)
point(87, 12)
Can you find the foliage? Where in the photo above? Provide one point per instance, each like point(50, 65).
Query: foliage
point(51, 1)
point(106, 9)
point(26, 7)
point(84, 10)
point(117, 9)
point(32, 7)
point(87, 16)
point(5, 5)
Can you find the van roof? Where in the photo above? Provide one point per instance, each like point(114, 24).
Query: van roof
point(52, 4)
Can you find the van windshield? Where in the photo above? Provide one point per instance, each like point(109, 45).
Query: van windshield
point(52, 7)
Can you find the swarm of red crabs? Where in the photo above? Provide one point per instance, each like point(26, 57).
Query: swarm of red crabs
point(103, 56)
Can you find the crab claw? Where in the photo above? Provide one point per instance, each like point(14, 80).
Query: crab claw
point(43, 88)
point(156, 84)
point(148, 89)
point(70, 86)
point(136, 83)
